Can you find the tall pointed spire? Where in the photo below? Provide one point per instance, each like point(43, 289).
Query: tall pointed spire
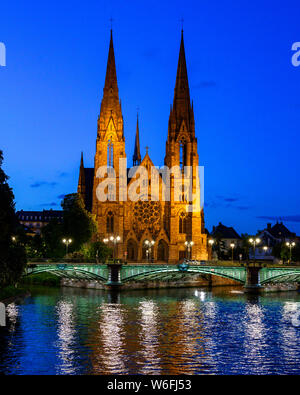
point(110, 112)
point(81, 161)
point(181, 114)
point(111, 85)
point(182, 91)
point(81, 182)
point(137, 154)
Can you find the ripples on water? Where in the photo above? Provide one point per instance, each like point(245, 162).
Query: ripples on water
point(191, 331)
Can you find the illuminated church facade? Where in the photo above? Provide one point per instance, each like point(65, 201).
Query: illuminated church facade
point(167, 224)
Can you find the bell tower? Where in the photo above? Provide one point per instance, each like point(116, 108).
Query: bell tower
point(185, 215)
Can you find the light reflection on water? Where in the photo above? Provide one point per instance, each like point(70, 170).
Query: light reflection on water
point(175, 331)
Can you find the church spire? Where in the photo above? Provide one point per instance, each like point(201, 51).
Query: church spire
point(181, 114)
point(81, 161)
point(110, 113)
point(81, 181)
point(111, 85)
point(182, 91)
point(137, 154)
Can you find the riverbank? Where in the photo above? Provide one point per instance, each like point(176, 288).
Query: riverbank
point(12, 294)
point(46, 279)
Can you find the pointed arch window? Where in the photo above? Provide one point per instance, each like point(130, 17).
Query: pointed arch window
point(110, 153)
point(110, 222)
point(182, 223)
point(182, 154)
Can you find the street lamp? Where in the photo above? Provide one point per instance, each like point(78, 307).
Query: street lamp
point(67, 242)
point(114, 241)
point(290, 245)
point(149, 245)
point(14, 238)
point(189, 245)
point(254, 242)
point(211, 242)
point(232, 245)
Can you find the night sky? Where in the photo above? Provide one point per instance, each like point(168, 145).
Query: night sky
point(245, 89)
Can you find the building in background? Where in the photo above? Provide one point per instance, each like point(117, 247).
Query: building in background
point(227, 236)
point(36, 220)
point(270, 237)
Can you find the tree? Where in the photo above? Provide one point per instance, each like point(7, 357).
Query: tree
point(96, 250)
point(245, 245)
point(35, 247)
point(219, 246)
point(12, 253)
point(52, 235)
point(282, 251)
point(78, 223)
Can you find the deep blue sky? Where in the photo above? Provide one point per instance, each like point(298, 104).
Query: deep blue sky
point(246, 96)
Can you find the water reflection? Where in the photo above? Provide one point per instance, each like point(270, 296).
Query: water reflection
point(66, 334)
point(149, 338)
point(12, 312)
point(190, 331)
point(254, 342)
point(109, 353)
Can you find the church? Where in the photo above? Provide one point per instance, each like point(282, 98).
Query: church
point(146, 229)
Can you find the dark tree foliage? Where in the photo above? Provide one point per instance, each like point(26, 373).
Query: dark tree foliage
point(245, 245)
point(78, 223)
point(35, 247)
point(12, 253)
point(100, 251)
point(219, 247)
point(52, 235)
point(282, 251)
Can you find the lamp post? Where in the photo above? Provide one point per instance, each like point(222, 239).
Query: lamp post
point(114, 240)
point(211, 242)
point(67, 242)
point(254, 242)
point(232, 245)
point(189, 245)
point(290, 245)
point(149, 245)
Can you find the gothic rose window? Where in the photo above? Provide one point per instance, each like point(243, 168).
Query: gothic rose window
point(146, 214)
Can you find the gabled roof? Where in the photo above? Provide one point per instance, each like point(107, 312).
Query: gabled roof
point(280, 231)
point(225, 232)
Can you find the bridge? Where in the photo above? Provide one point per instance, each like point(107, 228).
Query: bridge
point(116, 274)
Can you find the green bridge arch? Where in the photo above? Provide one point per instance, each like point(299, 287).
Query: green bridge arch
point(166, 272)
point(276, 275)
point(74, 272)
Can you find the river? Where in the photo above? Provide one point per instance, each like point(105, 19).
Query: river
point(172, 331)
